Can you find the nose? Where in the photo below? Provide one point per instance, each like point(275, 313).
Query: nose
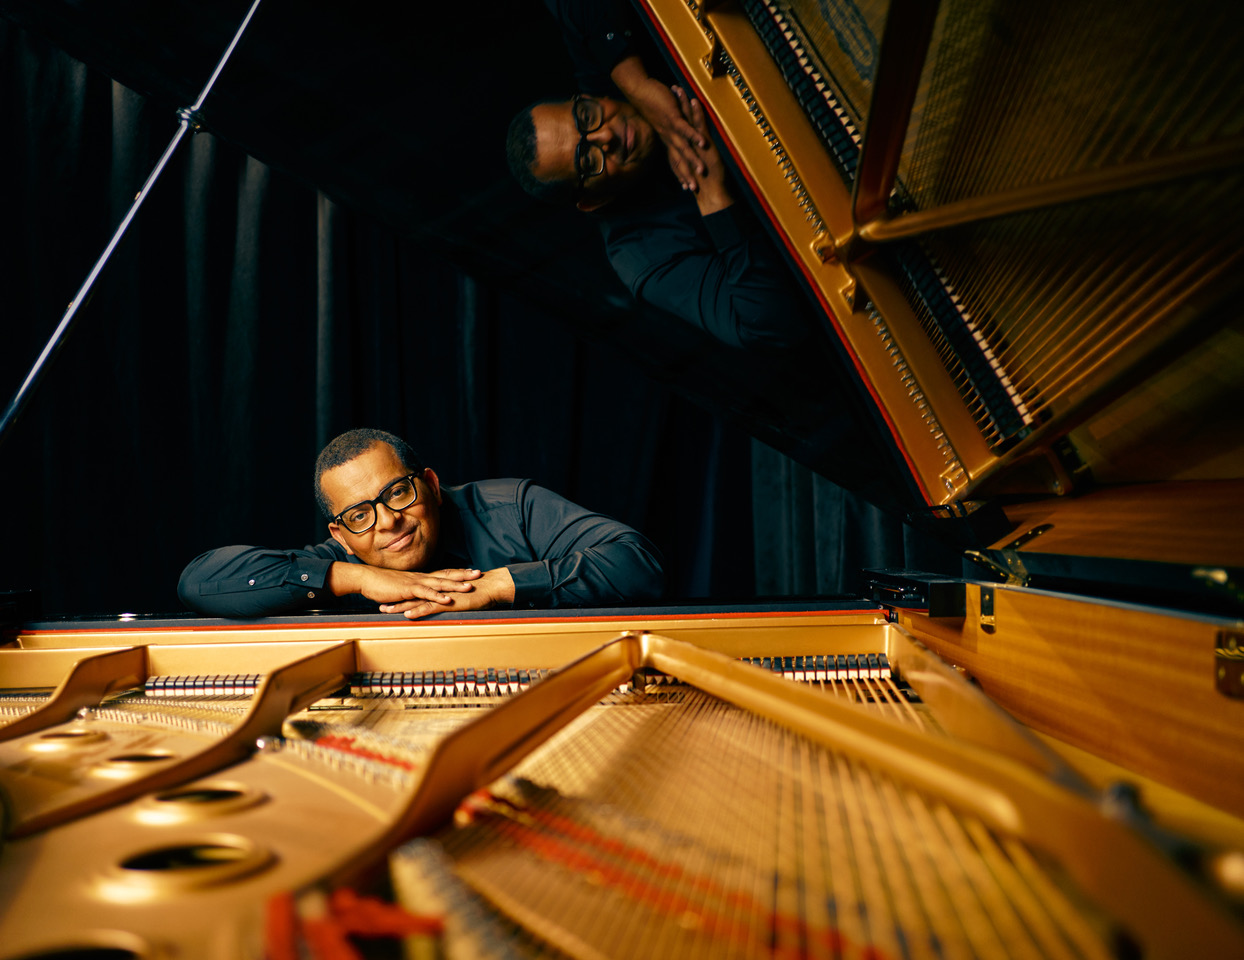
point(604, 137)
point(386, 516)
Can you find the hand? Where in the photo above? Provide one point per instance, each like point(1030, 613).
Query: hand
point(657, 104)
point(493, 587)
point(711, 192)
point(395, 586)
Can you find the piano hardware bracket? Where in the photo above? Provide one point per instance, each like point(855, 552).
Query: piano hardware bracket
point(988, 621)
point(1229, 663)
point(841, 250)
point(1012, 568)
point(1028, 535)
point(830, 252)
point(715, 62)
point(191, 117)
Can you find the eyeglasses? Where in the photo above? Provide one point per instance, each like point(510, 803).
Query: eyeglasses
point(589, 158)
point(361, 517)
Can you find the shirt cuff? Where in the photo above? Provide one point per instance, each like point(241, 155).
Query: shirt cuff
point(611, 45)
point(533, 584)
point(310, 573)
point(726, 227)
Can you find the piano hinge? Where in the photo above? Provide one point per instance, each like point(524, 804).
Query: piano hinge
point(987, 621)
point(1029, 535)
point(1011, 567)
point(1229, 663)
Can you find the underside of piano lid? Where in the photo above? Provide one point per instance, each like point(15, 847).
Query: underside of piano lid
point(1022, 222)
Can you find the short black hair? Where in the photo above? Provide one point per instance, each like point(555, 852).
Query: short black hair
point(520, 153)
point(354, 443)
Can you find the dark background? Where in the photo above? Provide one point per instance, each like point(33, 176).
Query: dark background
point(346, 248)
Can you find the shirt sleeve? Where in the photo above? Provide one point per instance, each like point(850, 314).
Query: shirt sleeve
point(585, 559)
point(243, 581)
point(598, 34)
point(720, 274)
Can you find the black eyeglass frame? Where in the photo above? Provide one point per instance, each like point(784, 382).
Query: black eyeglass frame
point(583, 147)
point(379, 500)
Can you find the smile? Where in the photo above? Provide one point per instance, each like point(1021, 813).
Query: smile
point(400, 542)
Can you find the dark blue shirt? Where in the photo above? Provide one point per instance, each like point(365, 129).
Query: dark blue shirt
point(559, 554)
point(719, 273)
point(600, 34)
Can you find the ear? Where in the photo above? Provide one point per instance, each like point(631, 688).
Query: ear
point(335, 530)
point(433, 481)
point(587, 205)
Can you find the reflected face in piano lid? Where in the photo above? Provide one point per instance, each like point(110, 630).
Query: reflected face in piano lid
point(626, 140)
point(401, 539)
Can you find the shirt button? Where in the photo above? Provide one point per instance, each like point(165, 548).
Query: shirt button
point(252, 582)
point(304, 578)
point(311, 595)
point(608, 36)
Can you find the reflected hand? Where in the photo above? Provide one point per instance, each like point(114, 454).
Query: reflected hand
point(711, 192)
point(657, 104)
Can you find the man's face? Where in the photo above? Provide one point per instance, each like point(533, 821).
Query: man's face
point(400, 540)
point(625, 139)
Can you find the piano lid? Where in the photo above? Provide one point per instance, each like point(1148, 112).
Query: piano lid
point(405, 122)
point(1033, 273)
point(1023, 223)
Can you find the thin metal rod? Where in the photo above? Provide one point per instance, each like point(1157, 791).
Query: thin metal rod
point(60, 334)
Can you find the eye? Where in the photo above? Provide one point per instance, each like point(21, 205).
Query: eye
point(590, 162)
point(587, 115)
point(356, 516)
point(398, 492)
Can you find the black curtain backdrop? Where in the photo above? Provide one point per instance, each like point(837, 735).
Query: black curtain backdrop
point(247, 319)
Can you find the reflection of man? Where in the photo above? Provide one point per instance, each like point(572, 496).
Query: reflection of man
point(694, 252)
point(405, 542)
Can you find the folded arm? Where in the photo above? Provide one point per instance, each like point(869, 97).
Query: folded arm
point(583, 558)
point(245, 581)
point(557, 554)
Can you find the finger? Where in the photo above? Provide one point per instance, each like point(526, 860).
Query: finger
point(686, 163)
point(682, 170)
point(423, 610)
point(688, 133)
point(442, 584)
point(436, 591)
point(457, 573)
point(684, 106)
point(403, 606)
point(696, 163)
point(693, 114)
point(697, 115)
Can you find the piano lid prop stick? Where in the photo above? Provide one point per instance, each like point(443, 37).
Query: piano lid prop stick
point(189, 118)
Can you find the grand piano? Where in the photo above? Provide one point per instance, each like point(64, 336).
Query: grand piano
point(1022, 227)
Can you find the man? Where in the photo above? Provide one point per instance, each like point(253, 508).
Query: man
point(694, 253)
point(403, 541)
